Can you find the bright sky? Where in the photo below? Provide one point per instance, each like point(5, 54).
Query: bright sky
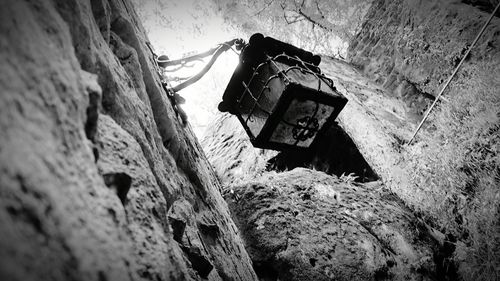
point(176, 28)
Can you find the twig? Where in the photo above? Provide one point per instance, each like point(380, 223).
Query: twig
point(265, 7)
point(295, 19)
point(313, 21)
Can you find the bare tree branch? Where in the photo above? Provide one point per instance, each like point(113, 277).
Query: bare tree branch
point(326, 25)
point(293, 18)
point(313, 21)
point(267, 5)
point(302, 10)
point(319, 9)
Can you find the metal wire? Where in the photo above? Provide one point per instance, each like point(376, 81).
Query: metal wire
point(454, 72)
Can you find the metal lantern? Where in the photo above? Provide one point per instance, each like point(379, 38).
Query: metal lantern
point(280, 95)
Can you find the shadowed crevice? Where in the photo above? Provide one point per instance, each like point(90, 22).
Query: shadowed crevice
point(120, 182)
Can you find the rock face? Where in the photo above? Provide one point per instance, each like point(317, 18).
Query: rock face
point(99, 180)
point(333, 153)
point(411, 47)
point(307, 225)
point(227, 147)
point(402, 56)
point(367, 140)
point(377, 123)
point(450, 171)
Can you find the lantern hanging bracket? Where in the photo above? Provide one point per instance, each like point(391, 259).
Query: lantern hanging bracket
point(163, 61)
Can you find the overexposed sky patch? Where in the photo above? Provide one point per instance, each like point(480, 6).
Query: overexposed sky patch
point(178, 28)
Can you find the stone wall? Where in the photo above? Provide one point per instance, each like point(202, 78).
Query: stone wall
point(99, 179)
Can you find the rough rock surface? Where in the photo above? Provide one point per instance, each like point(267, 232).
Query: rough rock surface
point(377, 123)
point(411, 47)
point(402, 56)
point(307, 225)
point(99, 180)
point(230, 152)
point(367, 141)
point(334, 153)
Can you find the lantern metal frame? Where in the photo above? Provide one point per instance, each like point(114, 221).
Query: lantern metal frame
point(305, 128)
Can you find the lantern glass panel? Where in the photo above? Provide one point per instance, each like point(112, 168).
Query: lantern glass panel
point(300, 122)
point(260, 96)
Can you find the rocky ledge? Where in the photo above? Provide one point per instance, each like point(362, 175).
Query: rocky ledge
point(307, 225)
